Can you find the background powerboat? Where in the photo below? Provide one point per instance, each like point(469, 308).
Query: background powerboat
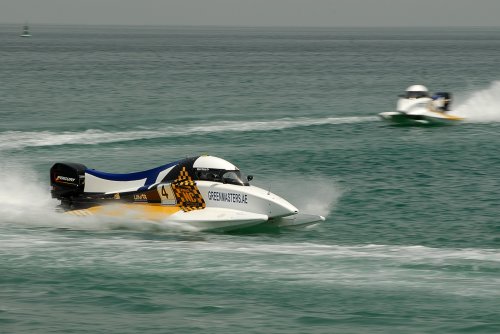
point(417, 107)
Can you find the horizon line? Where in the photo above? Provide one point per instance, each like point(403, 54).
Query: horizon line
point(246, 26)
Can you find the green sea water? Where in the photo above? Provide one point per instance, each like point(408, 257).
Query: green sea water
point(411, 241)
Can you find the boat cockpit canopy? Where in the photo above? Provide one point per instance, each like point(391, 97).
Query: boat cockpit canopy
point(222, 175)
point(416, 94)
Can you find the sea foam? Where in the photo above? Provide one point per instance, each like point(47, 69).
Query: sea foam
point(20, 139)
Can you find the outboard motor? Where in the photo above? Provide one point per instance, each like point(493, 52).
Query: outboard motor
point(442, 101)
point(67, 180)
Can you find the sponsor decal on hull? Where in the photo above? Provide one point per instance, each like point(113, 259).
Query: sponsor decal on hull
point(187, 193)
point(140, 198)
point(219, 196)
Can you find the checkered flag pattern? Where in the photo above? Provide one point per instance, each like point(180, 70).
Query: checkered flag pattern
point(187, 193)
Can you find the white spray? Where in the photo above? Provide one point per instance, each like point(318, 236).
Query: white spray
point(481, 106)
point(311, 195)
point(24, 200)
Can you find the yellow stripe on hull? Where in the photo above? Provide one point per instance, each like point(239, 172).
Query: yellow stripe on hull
point(146, 211)
point(450, 117)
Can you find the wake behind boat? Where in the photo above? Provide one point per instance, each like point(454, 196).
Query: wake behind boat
point(417, 107)
point(205, 192)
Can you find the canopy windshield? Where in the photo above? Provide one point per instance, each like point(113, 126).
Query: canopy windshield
point(221, 175)
point(416, 94)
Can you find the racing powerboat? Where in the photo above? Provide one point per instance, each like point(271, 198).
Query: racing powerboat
point(418, 107)
point(204, 192)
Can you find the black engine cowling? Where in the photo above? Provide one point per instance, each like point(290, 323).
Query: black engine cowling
point(67, 180)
